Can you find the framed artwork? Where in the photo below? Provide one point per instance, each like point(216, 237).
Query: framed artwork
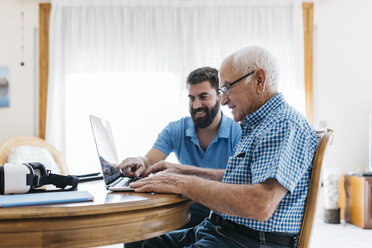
point(4, 87)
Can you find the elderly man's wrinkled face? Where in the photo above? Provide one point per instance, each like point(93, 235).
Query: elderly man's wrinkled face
point(242, 98)
point(204, 104)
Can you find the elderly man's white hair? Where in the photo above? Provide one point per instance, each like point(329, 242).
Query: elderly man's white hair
point(252, 58)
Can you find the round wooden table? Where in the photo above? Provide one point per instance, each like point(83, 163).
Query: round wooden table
point(112, 218)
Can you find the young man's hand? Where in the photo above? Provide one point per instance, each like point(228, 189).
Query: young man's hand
point(133, 167)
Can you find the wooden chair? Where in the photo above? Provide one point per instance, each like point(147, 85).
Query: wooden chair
point(7, 147)
point(325, 139)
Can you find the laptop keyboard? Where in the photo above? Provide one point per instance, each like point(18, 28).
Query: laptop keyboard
point(124, 182)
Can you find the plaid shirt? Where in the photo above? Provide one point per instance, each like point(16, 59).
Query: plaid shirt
point(277, 142)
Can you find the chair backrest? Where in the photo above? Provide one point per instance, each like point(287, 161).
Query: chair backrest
point(325, 139)
point(7, 147)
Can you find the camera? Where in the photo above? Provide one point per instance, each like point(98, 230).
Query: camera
point(19, 178)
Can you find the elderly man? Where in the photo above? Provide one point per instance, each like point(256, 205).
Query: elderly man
point(206, 139)
point(258, 201)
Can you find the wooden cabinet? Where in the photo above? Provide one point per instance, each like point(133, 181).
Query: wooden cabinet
point(356, 200)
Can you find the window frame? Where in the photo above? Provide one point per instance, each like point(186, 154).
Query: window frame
point(44, 15)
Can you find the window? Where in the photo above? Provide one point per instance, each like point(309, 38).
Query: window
point(95, 91)
point(134, 103)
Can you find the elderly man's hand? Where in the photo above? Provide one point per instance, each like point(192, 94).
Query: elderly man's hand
point(163, 166)
point(161, 182)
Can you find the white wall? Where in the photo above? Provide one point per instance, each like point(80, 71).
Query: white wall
point(342, 84)
point(19, 118)
point(342, 78)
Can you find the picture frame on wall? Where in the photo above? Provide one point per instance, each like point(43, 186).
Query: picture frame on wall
point(4, 87)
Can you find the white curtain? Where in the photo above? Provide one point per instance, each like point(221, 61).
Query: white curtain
point(114, 36)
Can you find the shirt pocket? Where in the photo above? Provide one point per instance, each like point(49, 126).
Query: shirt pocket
point(240, 155)
point(237, 171)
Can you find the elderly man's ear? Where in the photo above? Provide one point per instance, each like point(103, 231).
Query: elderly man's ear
point(260, 75)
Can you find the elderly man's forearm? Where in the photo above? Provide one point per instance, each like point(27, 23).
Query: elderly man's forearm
point(211, 174)
point(248, 201)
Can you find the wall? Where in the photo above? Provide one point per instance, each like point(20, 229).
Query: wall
point(342, 85)
point(342, 81)
point(19, 118)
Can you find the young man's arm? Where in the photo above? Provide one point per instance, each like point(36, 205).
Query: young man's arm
point(135, 166)
point(154, 162)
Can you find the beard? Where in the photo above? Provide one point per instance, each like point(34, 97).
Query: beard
point(205, 121)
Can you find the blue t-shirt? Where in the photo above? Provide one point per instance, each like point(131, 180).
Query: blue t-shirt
point(180, 137)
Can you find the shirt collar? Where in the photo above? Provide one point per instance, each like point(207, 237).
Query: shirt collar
point(190, 128)
point(254, 119)
point(223, 130)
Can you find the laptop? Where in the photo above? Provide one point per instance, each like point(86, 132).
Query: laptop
point(114, 180)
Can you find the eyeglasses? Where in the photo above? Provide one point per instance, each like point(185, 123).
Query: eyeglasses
point(225, 89)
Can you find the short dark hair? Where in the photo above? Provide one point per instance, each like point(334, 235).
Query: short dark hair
point(204, 74)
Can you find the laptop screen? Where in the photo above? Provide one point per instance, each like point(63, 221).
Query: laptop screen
point(105, 148)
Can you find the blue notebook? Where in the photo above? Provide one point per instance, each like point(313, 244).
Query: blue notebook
point(44, 198)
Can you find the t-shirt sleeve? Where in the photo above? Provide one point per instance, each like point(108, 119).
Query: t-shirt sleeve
point(285, 152)
point(164, 141)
